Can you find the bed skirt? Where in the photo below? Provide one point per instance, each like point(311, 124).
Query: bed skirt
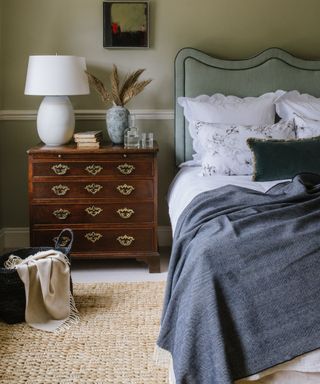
point(163, 358)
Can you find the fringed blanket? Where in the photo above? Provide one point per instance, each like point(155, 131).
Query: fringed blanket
point(46, 278)
point(243, 290)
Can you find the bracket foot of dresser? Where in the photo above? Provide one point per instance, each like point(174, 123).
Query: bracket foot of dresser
point(153, 263)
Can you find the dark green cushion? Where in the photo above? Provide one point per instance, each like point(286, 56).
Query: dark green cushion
point(283, 159)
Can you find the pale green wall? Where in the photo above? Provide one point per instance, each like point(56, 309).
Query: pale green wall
point(226, 28)
point(1, 93)
point(1, 55)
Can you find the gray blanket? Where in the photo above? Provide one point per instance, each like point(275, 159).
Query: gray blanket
point(243, 290)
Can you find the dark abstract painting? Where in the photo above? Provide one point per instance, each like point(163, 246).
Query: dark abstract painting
point(126, 24)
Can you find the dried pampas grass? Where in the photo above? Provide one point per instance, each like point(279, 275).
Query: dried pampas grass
point(120, 94)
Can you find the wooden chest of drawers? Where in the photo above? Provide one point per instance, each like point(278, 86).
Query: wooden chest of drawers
point(107, 196)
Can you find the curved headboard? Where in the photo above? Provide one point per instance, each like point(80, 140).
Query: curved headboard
point(197, 73)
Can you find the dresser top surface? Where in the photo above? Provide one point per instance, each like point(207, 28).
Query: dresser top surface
point(105, 148)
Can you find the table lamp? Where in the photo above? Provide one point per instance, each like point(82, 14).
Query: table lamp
point(56, 77)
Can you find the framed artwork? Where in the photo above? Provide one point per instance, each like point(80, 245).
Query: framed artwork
point(126, 24)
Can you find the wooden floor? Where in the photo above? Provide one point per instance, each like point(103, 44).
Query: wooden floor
point(118, 270)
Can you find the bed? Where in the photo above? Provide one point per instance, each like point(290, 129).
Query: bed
point(190, 353)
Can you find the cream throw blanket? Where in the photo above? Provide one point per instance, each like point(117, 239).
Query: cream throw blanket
point(46, 278)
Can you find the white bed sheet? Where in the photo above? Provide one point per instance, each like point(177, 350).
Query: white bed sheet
point(187, 184)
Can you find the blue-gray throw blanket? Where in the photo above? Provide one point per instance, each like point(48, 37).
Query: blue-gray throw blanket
point(243, 290)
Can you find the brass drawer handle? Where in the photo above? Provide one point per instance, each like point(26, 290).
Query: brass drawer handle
point(61, 214)
point(125, 168)
point(60, 190)
point(64, 241)
point(125, 189)
point(125, 213)
point(93, 188)
point(125, 240)
point(94, 169)
point(60, 169)
point(93, 236)
point(93, 211)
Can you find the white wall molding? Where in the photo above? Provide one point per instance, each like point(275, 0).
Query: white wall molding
point(18, 237)
point(89, 114)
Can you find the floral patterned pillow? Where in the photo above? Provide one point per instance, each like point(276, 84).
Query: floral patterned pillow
point(306, 128)
point(225, 149)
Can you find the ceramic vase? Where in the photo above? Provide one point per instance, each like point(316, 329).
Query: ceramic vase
point(117, 119)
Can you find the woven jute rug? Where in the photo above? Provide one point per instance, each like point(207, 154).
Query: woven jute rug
point(112, 344)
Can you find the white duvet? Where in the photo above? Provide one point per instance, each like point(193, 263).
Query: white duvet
point(188, 183)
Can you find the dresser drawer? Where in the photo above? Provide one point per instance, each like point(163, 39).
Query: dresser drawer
point(120, 189)
point(102, 240)
point(120, 168)
point(112, 213)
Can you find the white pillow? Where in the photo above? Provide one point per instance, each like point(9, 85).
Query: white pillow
point(230, 109)
point(293, 102)
point(225, 146)
point(306, 128)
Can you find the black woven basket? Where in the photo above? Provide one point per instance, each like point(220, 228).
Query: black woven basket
point(12, 293)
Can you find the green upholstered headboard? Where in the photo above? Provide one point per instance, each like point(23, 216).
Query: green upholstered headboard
point(197, 73)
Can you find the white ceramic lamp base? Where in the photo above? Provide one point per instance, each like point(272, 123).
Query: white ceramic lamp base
point(55, 120)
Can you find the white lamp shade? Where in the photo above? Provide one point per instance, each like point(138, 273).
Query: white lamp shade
point(56, 75)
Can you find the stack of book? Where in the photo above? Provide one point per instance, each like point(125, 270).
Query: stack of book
point(88, 139)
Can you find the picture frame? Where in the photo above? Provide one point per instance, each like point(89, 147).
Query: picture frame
point(126, 24)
